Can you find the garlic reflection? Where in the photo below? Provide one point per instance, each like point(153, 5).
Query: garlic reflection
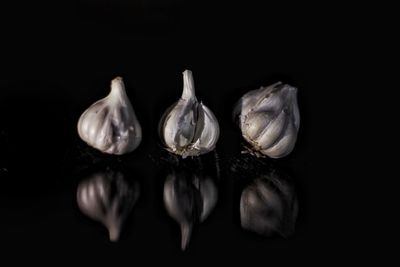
point(269, 119)
point(269, 205)
point(189, 128)
point(189, 199)
point(106, 197)
point(110, 124)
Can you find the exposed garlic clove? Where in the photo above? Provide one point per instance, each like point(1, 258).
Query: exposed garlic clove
point(188, 200)
point(268, 206)
point(106, 197)
point(269, 119)
point(110, 124)
point(189, 128)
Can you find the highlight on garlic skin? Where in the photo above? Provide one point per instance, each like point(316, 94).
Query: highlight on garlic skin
point(110, 124)
point(188, 127)
point(268, 206)
point(269, 119)
point(107, 198)
point(189, 199)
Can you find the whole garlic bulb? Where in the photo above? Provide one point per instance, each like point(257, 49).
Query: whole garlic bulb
point(189, 128)
point(268, 206)
point(269, 119)
point(106, 197)
point(189, 199)
point(110, 124)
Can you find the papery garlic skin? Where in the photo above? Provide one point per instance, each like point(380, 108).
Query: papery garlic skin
point(110, 124)
point(269, 119)
point(189, 199)
point(189, 128)
point(106, 197)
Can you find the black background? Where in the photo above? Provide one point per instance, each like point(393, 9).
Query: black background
point(58, 58)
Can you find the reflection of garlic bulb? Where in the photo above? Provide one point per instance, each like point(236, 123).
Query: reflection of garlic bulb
point(106, 197)
point(189, 128)
point(269, 119)
point(269, 205)
point(110, 125)
point(189, 199)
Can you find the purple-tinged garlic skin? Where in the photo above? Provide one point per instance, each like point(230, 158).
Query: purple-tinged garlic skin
point(110, 124)
point(269, 119)
point(188, 127)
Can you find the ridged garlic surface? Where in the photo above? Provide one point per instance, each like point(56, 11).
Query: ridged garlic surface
point(189, 128)
point(269, 119)
point(110, 124)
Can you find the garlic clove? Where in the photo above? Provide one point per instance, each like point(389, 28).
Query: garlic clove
point(106, 197)
point(272, 131)
point(285, 144)
point(189, 128)
point(207, 130)
point(268, 206)
point(269, 119)
point(110, 124)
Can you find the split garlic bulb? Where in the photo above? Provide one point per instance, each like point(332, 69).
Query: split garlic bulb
point(189, 128)
point(110, 124)
point(106, 197)
point(269, 119)
point(268, 206)
point(189, 199)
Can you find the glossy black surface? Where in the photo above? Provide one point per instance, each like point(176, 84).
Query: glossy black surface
point(58, 62)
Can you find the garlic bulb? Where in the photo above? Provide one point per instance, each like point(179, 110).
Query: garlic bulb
point(269, 205)
point(189, 199)
point(189, 128)
point(269, 119)
point(110, 125)
point(106, 197)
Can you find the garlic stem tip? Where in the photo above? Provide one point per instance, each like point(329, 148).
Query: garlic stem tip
point(187, 72)
point(118, 78)
point(188, 85)
point(117, 83)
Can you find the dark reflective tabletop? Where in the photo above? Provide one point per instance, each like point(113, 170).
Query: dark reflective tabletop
point(61, 197)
